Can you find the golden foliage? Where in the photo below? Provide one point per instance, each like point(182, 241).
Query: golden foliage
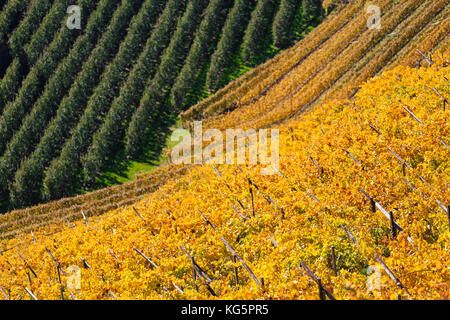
point(310, 207)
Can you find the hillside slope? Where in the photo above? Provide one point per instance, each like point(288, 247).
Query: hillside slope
point(92, 86)
point(363, 181)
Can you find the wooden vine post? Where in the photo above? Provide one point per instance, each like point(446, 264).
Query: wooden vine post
point(323, 292)
point(85, 219)
point(61, 288)
point(258, 281)
point(139, 215)
point(387, 215)
point(440, 95)
point(253, 201)
point(236, 276)
point(28, 266)
point(198, 272)
point(372, 201)
point(333, 260)
point(268, 198)
point(448, 215)
point(29, 279)
point(154, 266)
point(56, 262)
point(425, 57)
point(4, 293)
point(150, 262)
point(393, 227)
point(319, 168)
point(391, 274)
point(412, 115)
point(112, 295)
point(85, 264)
point(31, 294)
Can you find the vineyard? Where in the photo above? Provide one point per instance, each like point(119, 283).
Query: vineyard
point(77, 101)
point(330, 64)
point(357, 211)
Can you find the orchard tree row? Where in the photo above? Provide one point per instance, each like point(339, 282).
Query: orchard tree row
point(74, 101)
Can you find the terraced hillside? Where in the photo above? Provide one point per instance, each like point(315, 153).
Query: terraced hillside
point(358, 210)
point(323, 65)
point(74, 101)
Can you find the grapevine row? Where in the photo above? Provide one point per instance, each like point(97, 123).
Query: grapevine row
point(37, 77)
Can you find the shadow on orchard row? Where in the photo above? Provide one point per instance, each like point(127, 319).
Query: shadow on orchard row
point(156, 135)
